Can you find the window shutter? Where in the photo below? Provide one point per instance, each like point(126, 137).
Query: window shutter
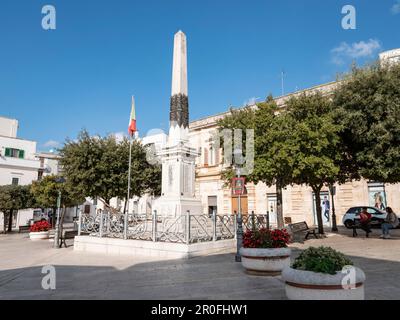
point(217, 160)
point(205, 157)
point(21, 154)
point(8, 152)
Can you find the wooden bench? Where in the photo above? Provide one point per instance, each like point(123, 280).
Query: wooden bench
point(24, 229)
point(67, 234)
point(302, 227)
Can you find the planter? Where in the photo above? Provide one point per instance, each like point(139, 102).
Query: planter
point(39, 235)
point(265, 262)
point(307, 285)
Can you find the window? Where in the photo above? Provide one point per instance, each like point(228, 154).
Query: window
point(15, 181)
point(205, 157)
point(14, 153)
point(212, 156)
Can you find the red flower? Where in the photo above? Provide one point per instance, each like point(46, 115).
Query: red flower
point(40, 226)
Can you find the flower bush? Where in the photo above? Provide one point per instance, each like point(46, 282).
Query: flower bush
point(40, 226)
point(265, 238)
point(321, 260)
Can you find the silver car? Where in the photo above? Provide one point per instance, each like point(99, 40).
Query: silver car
point(353, 214)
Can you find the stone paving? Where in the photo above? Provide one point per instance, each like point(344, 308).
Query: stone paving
point(93, 276)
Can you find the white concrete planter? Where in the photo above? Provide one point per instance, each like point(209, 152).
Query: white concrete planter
point(307, 285)
point(39, 235)
point(267, 262)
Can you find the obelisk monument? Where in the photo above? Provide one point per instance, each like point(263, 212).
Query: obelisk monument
point(178, 158)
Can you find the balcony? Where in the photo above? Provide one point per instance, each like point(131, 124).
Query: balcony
point(18, 163)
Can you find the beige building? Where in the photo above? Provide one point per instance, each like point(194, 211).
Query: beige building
point(298, 201)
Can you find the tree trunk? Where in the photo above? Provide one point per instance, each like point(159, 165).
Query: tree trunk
point(10, 221)
point(5, 214)
point(53, 218)
point(317, 192)
point(125, 204)
point(279, 206)
point(62, 219)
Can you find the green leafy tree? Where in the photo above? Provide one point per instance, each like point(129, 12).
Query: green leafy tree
point(316, 145)
point(12, 198)
point(46, 192)
point(274, 163)
point(97, 167)
point(368, 104)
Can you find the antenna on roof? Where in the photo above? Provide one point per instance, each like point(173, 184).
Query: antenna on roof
point(283, 81)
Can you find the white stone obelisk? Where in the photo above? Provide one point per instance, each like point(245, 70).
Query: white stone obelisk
point(178, 158)
point(179, 109)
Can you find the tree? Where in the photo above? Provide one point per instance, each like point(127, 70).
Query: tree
point(98, 167)
point(46, 192)
point(368, 103)
point(274, 164)
point(14, 197)
point(317, 149)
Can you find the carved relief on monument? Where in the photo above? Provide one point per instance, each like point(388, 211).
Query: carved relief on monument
point(179, 111)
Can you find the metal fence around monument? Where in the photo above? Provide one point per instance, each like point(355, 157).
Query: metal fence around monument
point(185, 228)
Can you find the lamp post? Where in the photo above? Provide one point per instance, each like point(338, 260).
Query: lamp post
point(57, 231)
point(332, 191)
point(239, 230)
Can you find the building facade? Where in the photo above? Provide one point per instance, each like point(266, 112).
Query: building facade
point(18, 164)
point(298, 200)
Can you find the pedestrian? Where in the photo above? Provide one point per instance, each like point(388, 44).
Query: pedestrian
point(365, 221)
point(391, 222)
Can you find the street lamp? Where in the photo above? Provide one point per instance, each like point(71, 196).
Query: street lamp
point(57, 231)
point(238, 153)
point(332, 191)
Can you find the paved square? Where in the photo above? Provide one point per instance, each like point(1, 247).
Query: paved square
point(92, 276)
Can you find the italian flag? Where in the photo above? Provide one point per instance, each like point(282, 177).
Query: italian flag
point(132, 120)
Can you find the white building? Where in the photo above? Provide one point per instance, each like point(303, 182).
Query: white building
point(391, 56)
point(18, 164)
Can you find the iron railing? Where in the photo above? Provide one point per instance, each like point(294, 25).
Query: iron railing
point(185, 228)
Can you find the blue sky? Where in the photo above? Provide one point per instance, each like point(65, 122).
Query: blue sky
point(82, 74)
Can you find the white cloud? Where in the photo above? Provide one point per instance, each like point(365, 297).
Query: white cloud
point(362, 49)
point(52, 144)
point(396, 7)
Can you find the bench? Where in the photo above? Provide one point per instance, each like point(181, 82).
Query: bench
point(24, 229)
point(357, 225)
point(302, 227)
point(67, 234)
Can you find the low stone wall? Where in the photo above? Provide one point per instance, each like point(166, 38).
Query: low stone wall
point(162, 250)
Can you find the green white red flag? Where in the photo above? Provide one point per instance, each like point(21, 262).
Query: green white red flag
point(132, 121)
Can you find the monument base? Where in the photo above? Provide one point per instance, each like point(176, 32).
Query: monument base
point(171, 207)
point(162, 250)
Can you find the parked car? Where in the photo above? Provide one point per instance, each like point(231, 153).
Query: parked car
point(378, 216)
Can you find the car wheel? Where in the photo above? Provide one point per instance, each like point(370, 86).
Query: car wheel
point(349, 224)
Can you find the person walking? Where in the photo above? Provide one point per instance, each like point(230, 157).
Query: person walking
point(365, 221)
point(391, 222)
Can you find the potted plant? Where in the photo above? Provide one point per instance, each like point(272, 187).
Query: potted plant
point(265, 251)
point(39, 230)
point(323, 274)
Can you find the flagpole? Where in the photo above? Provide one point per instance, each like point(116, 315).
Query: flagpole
point(129, 189)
